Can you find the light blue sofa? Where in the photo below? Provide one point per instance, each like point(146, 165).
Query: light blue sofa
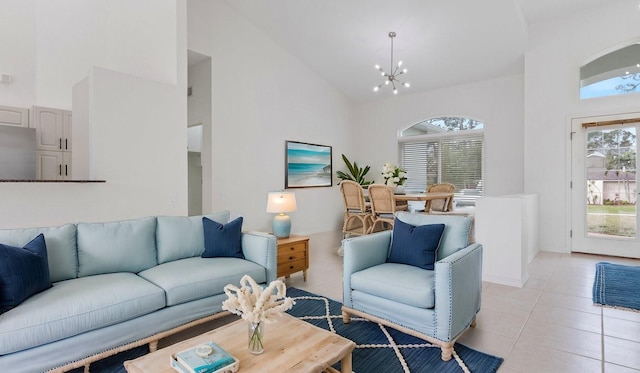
point(436, 305)
point(121, 282)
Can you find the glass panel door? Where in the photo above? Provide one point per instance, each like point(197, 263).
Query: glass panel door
point(604, 191)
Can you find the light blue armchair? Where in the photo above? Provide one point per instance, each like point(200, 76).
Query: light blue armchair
point(437, 305)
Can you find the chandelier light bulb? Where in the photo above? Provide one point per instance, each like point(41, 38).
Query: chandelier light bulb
point(394, 72)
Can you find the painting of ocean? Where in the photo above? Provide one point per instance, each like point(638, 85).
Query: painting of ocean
point(308, 165)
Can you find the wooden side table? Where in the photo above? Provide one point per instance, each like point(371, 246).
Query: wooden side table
point(293, 255)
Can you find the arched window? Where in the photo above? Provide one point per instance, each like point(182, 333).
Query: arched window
point(444, 150)
point(615, 73)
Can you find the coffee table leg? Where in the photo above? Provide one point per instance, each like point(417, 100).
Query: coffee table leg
point(345, 364)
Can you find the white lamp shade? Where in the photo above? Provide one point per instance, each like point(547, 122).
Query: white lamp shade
point(279, 202)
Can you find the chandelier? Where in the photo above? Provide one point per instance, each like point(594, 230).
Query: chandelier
point(394, 72)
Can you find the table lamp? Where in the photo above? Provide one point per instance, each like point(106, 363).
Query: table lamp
point(279, 203)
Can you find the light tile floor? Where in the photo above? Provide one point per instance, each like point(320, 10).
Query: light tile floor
point(550, 325)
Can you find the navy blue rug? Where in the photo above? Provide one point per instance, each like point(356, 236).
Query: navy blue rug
point(115, 363)
point(378, 349)
point(617, 285)
point(383, 349)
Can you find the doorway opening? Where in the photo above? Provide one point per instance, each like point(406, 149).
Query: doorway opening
point(199, 149)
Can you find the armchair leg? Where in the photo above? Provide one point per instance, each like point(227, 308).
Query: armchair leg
point(346, 317)
point(474, 322)
point(447, 351)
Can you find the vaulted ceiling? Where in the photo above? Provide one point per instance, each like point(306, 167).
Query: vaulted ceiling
point(441, 43)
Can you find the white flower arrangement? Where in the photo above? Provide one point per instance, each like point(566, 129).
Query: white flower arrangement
point(255, 304)
point(393, 175)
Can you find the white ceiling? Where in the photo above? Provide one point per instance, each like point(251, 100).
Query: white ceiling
point(441, 43)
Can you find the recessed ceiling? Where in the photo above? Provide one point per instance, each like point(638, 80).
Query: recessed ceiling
point(442, 43)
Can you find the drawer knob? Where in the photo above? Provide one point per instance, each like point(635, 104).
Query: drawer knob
point(291, 257)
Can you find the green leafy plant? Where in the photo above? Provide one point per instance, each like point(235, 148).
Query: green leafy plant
point(355, 173)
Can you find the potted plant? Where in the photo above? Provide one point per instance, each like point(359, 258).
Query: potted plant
point(355, 173)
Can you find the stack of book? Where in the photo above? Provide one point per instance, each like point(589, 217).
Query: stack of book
point(206, 358)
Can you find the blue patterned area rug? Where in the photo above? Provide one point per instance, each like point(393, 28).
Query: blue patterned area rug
point(617, 285)
point(383, 349)
point(378, 349)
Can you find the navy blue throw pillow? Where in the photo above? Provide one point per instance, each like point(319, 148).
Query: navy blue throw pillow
point(415, 245)
point(23, 272)
point(222, 240)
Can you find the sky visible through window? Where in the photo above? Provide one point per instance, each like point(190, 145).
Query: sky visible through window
point(606, 88)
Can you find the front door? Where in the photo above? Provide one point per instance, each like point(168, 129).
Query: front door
point(604, 190)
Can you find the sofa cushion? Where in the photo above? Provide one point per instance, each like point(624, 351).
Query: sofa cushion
point(23, 272)
point(122, 246)
point(75, 306)
point(179, 237)
point(397, 282)
point(189, 279)
point(415, 245)
point(61, 247)
point(222, 240)
point(456, 233)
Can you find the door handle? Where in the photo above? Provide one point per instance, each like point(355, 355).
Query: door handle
point(60, 143)
point(60, 170)
point(66, 170)
point(66, 144)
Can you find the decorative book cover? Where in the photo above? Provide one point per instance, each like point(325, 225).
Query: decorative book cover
point(205, 358)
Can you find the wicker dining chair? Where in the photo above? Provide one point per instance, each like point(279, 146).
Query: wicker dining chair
point(357, 213)
point(440, 204)
point(383, 207)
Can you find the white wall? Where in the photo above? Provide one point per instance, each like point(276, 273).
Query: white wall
point(557, 50)
point(497, 102)
point(136, 148)
point(57, 41)
point(138, 134)
point(18, 56)
point(262, 96)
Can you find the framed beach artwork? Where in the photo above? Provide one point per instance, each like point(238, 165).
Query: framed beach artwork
point(307, 165)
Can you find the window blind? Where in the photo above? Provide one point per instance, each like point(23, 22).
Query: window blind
point(458, 161)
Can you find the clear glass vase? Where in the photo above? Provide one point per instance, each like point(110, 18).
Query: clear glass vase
point(256, 338)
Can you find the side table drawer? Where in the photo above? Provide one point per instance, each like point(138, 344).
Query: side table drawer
point(285, 268)
point(292, 252)
point(292, 248)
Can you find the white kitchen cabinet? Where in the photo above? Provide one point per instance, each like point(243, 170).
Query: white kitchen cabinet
point(53, 128)
point(53, 165)
point(14, 116)
point(66, 130)
point(53, 142)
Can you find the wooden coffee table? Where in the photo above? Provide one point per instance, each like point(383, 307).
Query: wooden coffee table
point(291, 345)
